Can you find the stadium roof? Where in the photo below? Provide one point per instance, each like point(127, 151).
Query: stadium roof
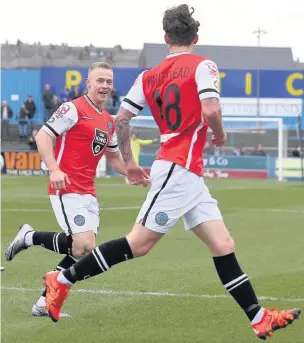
point(229, 57)
point(22, 55)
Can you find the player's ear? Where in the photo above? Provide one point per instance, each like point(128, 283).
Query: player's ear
point(166, 38)
point(195, 40)
point(87, 82)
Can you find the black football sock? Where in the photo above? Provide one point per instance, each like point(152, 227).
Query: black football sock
point(237, 284)
point(55, 241)
point(100, 260)
point(64, 264)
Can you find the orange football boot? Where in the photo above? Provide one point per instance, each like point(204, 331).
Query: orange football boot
point(56, 293)
point(274, 320)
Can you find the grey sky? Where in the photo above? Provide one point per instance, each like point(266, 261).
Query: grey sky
point(133, 22)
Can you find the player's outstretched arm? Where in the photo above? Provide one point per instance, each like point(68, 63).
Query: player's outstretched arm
point(136, 174)
point(145, 141)
point(122, 125)
point(116, 161)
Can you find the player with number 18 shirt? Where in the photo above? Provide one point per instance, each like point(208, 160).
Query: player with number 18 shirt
point(173, 90)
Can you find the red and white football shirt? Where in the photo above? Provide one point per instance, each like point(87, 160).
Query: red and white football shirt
point(173, 90)
point(82, 133)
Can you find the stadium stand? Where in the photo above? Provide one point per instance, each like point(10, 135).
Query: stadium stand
point(22, 55)
point(32, 56)
point(230, 57)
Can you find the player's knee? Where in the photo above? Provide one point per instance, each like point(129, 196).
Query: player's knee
point(142, 240)
point(81, 249)
point(139, 251)
point(88, 247)
point(223, 247)
point(140, 248)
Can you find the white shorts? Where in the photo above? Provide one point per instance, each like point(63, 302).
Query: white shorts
point(76, 213)
point(176, 192)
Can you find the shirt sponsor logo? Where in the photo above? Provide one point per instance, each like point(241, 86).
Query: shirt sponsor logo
point(99, 142)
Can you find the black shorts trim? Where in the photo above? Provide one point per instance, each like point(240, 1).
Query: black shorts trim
point(65, 216)
point(157, 194)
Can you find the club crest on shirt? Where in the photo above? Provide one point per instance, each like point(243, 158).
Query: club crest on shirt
point(99, 142)
point(63, 109)
point(212, 68)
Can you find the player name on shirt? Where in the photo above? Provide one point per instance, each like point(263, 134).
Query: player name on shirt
point(165, 76)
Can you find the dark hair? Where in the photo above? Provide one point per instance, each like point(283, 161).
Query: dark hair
point(179, 25)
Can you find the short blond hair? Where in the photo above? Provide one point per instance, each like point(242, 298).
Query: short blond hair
point(102, 65)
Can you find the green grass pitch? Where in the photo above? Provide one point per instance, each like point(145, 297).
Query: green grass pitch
point(171, 295)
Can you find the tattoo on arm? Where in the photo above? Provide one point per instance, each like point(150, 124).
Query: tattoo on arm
point(122, 124)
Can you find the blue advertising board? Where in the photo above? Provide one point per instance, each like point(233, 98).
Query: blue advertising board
point(233, 83)
point(58, 78)
point(16, 85)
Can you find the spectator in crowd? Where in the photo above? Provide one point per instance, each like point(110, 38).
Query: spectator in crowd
point(71, 94)
point(56, 103)
point(65, 94)
point(30, 108)
point(208, 149)
point(109, 107)
point(47, 98)
point(219, 151)
point(114, 97)
point(23, 123)
point(238, 151)
point(32, 141)
point(112, 103)
point(77, 92)
point(259, 151)
point(136, 144)
point(296, 152)
point(6, 115)
point(74, 93)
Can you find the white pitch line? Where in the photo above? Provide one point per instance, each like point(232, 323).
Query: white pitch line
point(120, 208)
point(126, 208)
point(285, 210)
point(123, 208)
point(153, 294)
